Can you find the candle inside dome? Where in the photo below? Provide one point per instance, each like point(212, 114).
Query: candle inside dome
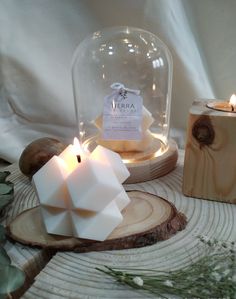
point(128, 145)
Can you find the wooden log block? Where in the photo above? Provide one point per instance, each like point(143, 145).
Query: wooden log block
point(147, 219)
point(210, 154)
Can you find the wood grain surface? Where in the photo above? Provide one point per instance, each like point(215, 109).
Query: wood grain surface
point(72, 275)
point(147, 219)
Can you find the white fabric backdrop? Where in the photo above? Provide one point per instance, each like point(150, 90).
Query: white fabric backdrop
point(38, 38)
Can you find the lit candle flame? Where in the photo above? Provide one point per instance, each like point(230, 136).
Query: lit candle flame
point(77, 147)
point(232, 101)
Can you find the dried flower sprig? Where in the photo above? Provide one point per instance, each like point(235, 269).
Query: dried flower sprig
point(212, 276)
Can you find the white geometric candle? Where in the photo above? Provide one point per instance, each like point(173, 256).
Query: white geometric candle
point(108, 157)
point(96, 226)
point(122, 200)
point(93, 185)
point(57, 221)
point(50, 183)
point(82, 199)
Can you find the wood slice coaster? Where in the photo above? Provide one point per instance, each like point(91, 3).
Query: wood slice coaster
point(147, 219)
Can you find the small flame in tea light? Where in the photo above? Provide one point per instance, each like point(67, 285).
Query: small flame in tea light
point(225, 106)
point(232, 101)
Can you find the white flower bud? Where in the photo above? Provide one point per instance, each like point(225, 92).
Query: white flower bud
point(216, 276)
point(138, 281)
point(168, 283)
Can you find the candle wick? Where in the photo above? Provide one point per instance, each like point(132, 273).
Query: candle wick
point(78, 158)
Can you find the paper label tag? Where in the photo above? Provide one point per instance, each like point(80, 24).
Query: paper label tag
point(122, 115)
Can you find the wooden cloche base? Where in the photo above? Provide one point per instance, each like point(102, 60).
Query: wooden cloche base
point(147, 219)
point(150, 169)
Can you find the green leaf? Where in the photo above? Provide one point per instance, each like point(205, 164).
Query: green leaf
point(2, 234)
point(4, 258)
point(5, 199)
point(5, 188)
point(11, 278)
point(3, 176)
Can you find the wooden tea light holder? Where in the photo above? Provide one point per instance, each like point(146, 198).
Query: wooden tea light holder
point(210, 154)
point(84, 207)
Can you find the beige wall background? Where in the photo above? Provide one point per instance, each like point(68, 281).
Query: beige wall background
point(38, 38)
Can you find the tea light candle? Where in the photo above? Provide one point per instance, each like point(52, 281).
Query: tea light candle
point(227, 106)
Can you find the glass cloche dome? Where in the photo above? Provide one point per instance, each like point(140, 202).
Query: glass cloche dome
point(122, 80)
